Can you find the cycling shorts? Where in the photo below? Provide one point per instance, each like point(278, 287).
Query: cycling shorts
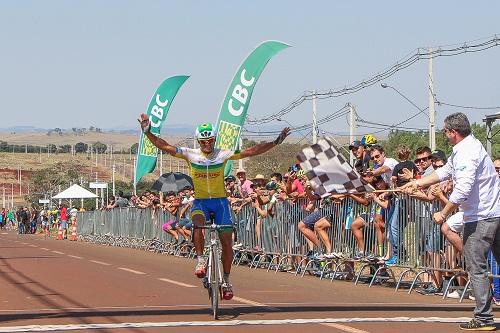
point(218, 206)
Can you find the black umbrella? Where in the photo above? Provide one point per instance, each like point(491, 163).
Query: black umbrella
point(172, 182)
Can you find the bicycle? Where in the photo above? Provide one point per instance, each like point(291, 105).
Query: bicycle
point(213, 279)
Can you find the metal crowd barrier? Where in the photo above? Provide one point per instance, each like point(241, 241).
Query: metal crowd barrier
point(421, 250)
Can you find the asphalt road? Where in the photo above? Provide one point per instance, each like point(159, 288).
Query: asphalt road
point(49, 285)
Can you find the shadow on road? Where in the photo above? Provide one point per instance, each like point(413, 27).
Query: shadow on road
point(231, 313)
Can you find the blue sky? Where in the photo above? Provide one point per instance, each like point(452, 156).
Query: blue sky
point(81, 63)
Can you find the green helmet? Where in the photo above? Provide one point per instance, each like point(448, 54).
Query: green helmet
point(205, 131)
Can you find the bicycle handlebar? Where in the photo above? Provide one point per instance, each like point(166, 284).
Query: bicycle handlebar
point(218, 228)
point(214, 227)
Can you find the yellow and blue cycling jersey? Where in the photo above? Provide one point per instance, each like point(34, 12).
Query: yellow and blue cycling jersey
point(207, 171)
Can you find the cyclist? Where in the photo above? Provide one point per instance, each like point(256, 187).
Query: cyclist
point(207, 171)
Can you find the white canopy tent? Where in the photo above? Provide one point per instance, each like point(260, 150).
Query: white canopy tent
point(75, 192)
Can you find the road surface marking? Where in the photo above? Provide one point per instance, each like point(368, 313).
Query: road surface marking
point(130, 270)
point(32, 245)
point(44, 248)
point(58, 310)
point(4, 233)
point(76, 257)
point(344, 328)
point(58, 252)
point(72, 327)
point(250, 302)
point(177, 283)
point(24, 243)
point(100, 262)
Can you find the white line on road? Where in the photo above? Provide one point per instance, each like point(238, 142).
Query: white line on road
point(130, 270)
point(45, 328)
point(100, 262)
point(177, 283)
point(58, 252)
point(32, 245)
point(44, 248)
point(344, 328)
point(76, 257)
point(249, 302)
point(4, 233)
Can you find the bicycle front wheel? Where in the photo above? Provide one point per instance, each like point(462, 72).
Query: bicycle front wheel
point(214, 277)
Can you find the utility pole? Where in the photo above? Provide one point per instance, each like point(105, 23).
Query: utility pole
point(113, 177)
point(161, 162)
point(240, 161)
point(314, 129)
point(135, 185)
point(432, 113)
point(97, 194)
point(352, 129)
point(20, 182)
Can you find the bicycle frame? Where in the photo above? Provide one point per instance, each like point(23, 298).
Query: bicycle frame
point(213, 279)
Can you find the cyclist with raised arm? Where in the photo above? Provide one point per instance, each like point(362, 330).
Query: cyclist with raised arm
point(207, 171)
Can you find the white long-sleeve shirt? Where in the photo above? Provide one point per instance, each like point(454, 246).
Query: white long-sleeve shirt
point(476, 185)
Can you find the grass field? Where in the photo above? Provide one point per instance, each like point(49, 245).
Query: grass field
point(119, 141)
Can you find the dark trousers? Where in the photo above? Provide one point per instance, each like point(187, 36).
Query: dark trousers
point(479, 238)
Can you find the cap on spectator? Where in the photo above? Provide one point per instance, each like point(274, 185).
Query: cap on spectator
point(240, 171)
point(230, 179)
point(259, 176)
point(355, 144)
point(271, 186)
point(439, 155)
point(294, 168)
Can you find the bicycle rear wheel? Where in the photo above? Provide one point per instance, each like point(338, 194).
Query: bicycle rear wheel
point(214, 285)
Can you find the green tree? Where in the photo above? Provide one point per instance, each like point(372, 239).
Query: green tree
point(413, 140)
point(46, 182)
point(81, 147)
point(134, 148)
point(64, 148)
point(99, 147)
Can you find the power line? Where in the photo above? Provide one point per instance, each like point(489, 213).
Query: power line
point(413, 57)
point(466, 106)
point(337, 114)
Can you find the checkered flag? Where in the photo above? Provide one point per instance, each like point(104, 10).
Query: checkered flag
point(329, 172)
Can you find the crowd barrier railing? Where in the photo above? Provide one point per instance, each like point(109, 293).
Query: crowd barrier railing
point(421, 254)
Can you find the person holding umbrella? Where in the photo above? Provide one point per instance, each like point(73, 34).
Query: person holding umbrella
point(207, 172)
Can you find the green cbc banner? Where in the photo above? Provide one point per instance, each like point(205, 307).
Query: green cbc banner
point(147, 153)
point(235, 105)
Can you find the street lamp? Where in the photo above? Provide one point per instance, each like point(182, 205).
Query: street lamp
point(432, 136)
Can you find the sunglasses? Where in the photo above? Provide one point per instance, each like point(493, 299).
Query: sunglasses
point(375, 157)
point(423, 159)
point(206, 141)
point(497, 169)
